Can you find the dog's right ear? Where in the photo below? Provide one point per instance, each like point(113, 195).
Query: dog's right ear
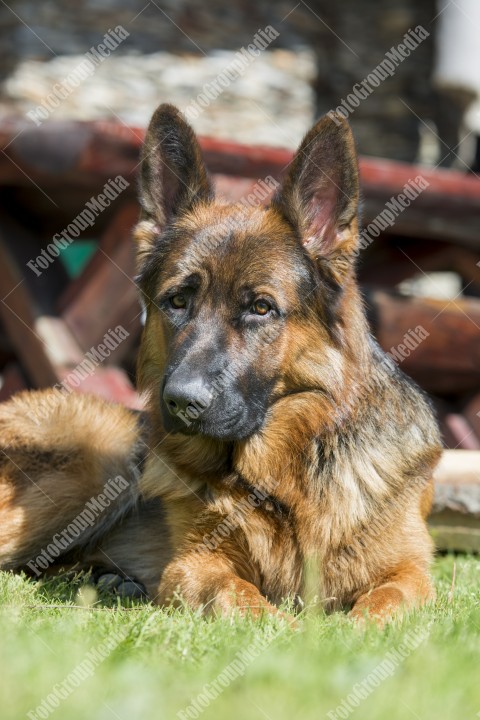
point(173, 176)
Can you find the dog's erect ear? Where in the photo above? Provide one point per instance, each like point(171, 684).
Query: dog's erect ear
point(320, 194)
point(173, 175)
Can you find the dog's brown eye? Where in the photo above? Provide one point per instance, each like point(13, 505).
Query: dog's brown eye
point(261, 307)
point(178, 301)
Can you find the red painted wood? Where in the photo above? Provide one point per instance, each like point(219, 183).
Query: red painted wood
point(110, 383)
point(107, 147)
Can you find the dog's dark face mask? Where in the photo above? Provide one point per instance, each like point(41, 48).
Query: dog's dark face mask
point(226, 287)
point(224, 302)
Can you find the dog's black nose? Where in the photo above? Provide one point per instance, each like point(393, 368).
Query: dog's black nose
point(191, 397)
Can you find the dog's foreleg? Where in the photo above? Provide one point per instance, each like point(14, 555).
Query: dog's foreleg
point(211, 581)
point(408, 587)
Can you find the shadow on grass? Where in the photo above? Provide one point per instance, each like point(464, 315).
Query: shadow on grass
point(80, 590)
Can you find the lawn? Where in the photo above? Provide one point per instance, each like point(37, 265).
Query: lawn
point(102, 662)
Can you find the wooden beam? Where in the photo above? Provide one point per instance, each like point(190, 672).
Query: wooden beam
point(45, 346)
point(445, 362)
point(455, 518)
point(459, 469)
point(20, 322)
point(105, 295)
point(458, 433)
point(85, 154)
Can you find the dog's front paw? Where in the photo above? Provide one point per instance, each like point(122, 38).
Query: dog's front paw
point(122, 586)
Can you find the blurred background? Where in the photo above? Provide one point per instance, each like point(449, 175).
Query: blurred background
point(424, 111)
point(80, 80)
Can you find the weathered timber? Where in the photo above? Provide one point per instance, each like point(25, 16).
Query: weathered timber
point(105, 295)
point(448, 359)
point(79, 153)
point(455, 518)
point(45, 346)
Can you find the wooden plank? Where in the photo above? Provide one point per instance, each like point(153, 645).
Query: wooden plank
point(110, 383)
point(458, 433)
point(19, 320)
point(459, 469)
point(13, 381)
point(45, 346)
point(392, 260)
point(68, 151)
point(471, 410)
point(235, 189)
point(105, 295)
point(450, 537)
point(455, 518)
point(448, 360)
point(251, 161)
point(447, 210)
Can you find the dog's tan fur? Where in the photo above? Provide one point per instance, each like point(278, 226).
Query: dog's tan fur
point(345, 455)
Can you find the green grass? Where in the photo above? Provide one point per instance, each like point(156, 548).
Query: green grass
point(164, 658)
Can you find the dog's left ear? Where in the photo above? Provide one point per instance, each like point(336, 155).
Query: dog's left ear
point(320, 194)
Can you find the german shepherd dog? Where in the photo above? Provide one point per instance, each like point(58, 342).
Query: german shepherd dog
point(277, 434)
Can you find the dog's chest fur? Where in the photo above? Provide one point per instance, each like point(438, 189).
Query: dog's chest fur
point(304, 518)
point(331, 520)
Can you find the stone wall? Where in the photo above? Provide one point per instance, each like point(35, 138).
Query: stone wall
point(348, 39)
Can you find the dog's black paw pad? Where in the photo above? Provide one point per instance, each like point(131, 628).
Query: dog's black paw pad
point(131, 589)
point(108, 582)
point(119, 585)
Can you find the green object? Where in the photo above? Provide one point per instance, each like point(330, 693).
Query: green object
point(76, 256)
